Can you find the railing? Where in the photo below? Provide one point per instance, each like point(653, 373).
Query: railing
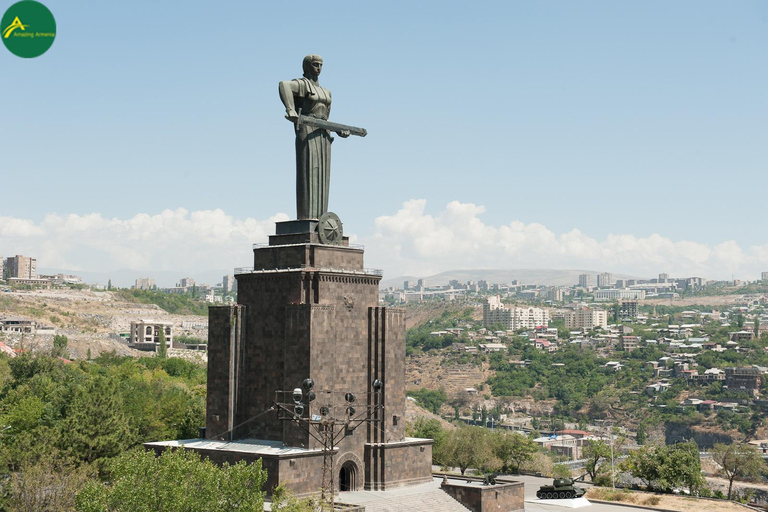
point(365, 271)
point(262, 245)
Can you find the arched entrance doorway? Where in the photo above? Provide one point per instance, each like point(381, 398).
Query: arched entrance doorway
point(347, 477)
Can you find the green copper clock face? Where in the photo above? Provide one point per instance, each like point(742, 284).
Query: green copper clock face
point(330, 229)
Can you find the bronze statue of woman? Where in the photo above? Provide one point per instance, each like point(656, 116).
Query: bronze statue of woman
point(304, 96)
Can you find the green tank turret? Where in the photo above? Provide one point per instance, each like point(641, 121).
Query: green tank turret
point(561, 489)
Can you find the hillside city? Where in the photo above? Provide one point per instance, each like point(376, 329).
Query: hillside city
point(590, 378)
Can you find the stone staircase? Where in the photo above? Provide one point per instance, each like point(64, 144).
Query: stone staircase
point(419, 498)
point(431, 501)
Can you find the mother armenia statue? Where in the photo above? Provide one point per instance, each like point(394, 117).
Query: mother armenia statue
point(307, 105)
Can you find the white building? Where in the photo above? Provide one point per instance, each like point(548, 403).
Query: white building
point(513, 318)
point(625, 294)
point(585, 318)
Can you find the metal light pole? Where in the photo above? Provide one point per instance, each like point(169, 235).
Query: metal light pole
point(323, 422)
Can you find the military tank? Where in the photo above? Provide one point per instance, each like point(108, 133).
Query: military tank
point(561, 489)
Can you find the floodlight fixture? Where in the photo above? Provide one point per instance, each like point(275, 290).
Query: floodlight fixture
point(308, 384)
point(298, 410)
point(324, 410)
point(297, 396)
point(377, 385)
point(349, 397)
point(350, 410)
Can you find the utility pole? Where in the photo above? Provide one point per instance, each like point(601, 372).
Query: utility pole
point(328, 422)
point(613, 472)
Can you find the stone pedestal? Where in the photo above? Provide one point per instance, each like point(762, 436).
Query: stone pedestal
point(311, 310)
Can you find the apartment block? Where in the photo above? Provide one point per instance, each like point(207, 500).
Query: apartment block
point(604, 280)
point(586, 280)
point(513, 318)
point(144, 283)
point(586, 318)
point(20, 267)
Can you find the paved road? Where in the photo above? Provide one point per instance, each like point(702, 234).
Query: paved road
point(423, 499)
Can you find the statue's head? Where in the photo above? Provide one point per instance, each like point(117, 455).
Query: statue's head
point(312, 65)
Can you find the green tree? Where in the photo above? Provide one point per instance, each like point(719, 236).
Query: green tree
point(468, 447)
point(60, 346)
point(645, 464)
point(681, 467)
point(429, 399)
point(641, 435)
point(738, 460)
point(514, 449)
point(594, 452)
point(177, 480)
point(162, 350)
point(109, 285)
point(49, 484)
point(429, 428)
point(96, 426)
point(561, 471)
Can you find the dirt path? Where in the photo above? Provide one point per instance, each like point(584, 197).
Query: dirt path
point(663, 501)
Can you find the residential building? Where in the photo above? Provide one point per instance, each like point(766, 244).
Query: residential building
point(746, 379)
point(586, 318)
point(628, 309)
point(2, 268)
point(144, 283)
point(20, 267)
point(742, 336)
point(764, 277)
point(586, 280)
point(186, 282)
point(17, 324)
point(229, 284)
point(512, 318)
point(145, 334)
point(556, 294)
point(604, 280)
point(630, 343)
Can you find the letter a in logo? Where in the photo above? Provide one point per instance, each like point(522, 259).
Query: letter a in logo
point(35, 36)
point(13, 26)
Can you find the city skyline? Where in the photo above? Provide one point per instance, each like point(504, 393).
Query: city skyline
point(621, 138)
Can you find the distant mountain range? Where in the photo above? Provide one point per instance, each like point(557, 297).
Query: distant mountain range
point(547, 277)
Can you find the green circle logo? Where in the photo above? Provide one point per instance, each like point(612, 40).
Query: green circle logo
point(28, 29)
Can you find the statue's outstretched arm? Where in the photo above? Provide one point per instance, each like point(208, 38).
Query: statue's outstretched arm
point(288, 89)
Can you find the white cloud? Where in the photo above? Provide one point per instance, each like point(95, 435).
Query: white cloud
point(413, 242)
point(171, 240)
point(408, 242)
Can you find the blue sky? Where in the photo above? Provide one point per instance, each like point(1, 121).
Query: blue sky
point(619, 136)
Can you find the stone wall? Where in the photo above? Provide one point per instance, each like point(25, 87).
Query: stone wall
point(503, 496)
point(225, 323)
point(392, 464)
